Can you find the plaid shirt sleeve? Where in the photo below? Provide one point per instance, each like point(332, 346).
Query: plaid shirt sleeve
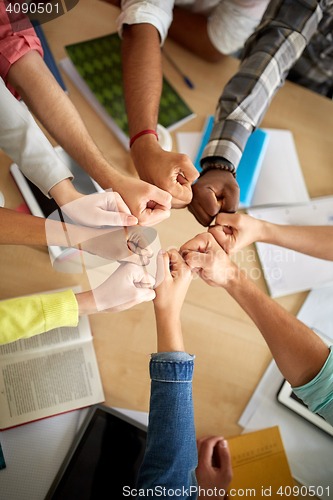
point(270, 52)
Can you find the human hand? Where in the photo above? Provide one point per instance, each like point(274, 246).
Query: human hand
point(172, 172)
point(215, 191)
point(177, 276)
point(173, 278)
point(214, 466)
point(148, 203)
point(130, 244)
point(205, 256)
point(128, 286)
point(99, 209)
point(235, 231)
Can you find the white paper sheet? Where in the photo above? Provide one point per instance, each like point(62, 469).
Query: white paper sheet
point(286, 271)
point(188, 143)
point(281, 179)
point(317, 310)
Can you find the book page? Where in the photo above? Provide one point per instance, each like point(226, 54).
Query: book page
point(43, 384)
point(58, 337)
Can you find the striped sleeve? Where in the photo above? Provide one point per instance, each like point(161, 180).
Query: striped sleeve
point(270, 52)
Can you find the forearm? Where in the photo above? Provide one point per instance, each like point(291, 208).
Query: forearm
point(316, 241)
point(17, 228)
point(297, 350)
point(269, 54)
point(42, 94)
point(142, 76)
point(169, 331)
point(189, 29)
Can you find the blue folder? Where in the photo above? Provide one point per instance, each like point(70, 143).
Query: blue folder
point(48, 56)
point(249, 167)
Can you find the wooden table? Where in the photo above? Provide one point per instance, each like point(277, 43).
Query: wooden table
point(231, 355)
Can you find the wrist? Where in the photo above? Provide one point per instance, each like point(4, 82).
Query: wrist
point(266, 232)
point(169, 331)
point(147, 131)
point(236, 279)
point(64, 192)
point(86, 303)
point(216, 163)
point(142, 144)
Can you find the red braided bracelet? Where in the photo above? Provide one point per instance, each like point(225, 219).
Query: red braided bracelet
point(148, 131)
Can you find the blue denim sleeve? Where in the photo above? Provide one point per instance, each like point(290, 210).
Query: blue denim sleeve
point(318, 393)
point(168, 467)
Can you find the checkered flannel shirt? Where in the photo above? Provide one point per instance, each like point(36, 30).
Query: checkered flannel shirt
point(295, 34)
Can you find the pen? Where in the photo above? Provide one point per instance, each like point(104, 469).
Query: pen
point(185, 78)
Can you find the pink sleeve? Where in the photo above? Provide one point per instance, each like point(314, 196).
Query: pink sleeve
point(17, 37)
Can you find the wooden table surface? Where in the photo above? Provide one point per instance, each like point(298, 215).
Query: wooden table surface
point(231, 356)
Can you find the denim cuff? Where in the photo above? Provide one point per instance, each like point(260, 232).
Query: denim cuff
point(172, 356)
point(171, 367)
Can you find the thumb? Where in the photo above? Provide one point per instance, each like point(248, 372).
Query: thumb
point(151, 217)
point(224, 458)
point(146, 295)
point(220, 236)
point(160, 197)
point(210, 203)
point(182, 191)
point(197, 260)
point(226, 219)
point(141, 278)
point(189, 170)
point(109, 218)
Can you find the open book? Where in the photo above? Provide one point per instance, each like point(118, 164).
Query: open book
point(48, 374)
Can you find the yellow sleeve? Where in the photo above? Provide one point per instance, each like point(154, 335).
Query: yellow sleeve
point(27, 316)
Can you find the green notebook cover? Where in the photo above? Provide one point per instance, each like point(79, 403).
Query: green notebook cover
point(98, 62)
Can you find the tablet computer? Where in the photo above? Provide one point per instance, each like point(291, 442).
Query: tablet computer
point(41, 206)
point(288, 398)
point(104, 458)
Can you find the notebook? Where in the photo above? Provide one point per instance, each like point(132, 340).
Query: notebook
point(250, 165)
point(260, 466)
point(95, 67)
